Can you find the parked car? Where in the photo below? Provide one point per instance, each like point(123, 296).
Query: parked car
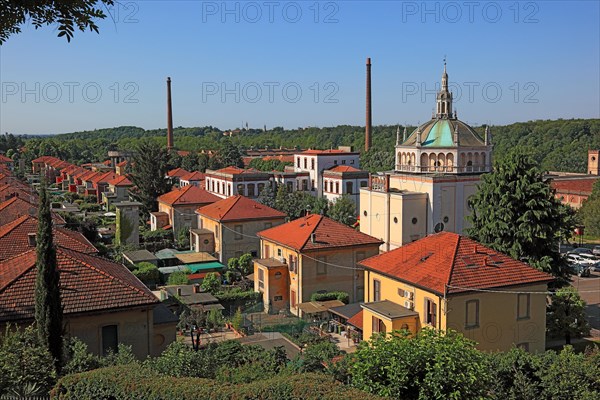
point(580, 250)
point(589, 257)
point(596, 251)
point(595, 267)
point(580, 270)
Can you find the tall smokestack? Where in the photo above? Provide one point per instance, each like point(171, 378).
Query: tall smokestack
point(369, 125)
point(169, 116)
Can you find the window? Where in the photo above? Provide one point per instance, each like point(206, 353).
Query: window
point(305, 163)
point(290, 186)
point(293, 298)
point(292, 264)
point(472, 314)
point(337, 187)
point(312, 163)
point(378, 325)
point(267, 251)
point(261, 187)
point(376, 290)
point(351, 161)
point(278, 275)
point(240, 189)
point(349, 187)
point(304, 185)
point(239, 231)
point(321, 266)
point(414, 221)
point(523, 305)
point(343, 161)
point(430, 312)
point(278, 298)
point(335, 162)
point(268, 225)
point(298, 162)
point(364, 184)
point(217, 232)
point(278, 252)
point(261, 278)
point(110, 339)
point(251, 190)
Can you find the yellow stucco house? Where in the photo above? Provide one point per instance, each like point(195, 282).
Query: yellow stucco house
point(309, 255)
point(448, 281)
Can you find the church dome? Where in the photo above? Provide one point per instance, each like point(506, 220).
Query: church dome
point(440, 132)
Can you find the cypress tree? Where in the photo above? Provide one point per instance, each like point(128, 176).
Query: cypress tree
point(48, 307)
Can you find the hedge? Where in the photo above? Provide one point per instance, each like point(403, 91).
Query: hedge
point(133, 382)
point(234, 299)
point(341, 296)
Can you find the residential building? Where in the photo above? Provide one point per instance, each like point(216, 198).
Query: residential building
point(447, 281)
point(7, 162)
point(16, 207)
point(437, 168)
point(175, 174)
point(344, 180)
point(20, 235)
point(122, 168)
point(193, 178)
point(179, 206)
point(232, 181)
point(315, 162)
point(310, 255)
point(234, 223)
point(118, 191)
point(104, 304)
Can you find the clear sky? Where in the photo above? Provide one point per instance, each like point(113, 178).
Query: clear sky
point(302, 63)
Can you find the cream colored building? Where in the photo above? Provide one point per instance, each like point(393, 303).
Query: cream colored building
point(437, 169)
point(447, 281)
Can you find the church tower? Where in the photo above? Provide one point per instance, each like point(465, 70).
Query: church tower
point(444, 98)
point(593, 162)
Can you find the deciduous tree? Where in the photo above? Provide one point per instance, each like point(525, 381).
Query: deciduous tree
point(566, 315)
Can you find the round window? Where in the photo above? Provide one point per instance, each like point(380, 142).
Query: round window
point(395, 220)
point(206, 241)
point(277, 275)
point(415, 220)
point(365, 213)
point(438, 227)
point(446, 219)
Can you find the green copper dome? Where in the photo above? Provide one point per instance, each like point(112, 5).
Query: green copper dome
point(439, 132)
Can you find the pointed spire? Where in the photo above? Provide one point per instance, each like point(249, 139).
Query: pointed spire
point(455, 136)
point(419, 136)
point(488, 136)
point(398, 135)
point(404, 135)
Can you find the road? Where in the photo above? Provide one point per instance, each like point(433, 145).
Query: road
point(589, 289)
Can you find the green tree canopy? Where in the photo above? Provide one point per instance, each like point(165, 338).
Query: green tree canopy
point(149, 167)
point(211, 283)
point(589, 213)
point(515, 212)
point(566, 315)
point(343, 210)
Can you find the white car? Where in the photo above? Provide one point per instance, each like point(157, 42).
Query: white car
point(581, 259)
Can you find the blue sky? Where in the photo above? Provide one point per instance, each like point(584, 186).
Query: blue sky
point(302, 63)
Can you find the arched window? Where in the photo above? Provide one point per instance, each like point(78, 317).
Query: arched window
point(424, 161)
point(449, 162)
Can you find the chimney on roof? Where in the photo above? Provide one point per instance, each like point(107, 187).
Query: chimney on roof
point(178, 291)
point(169, 116)
point(368, 125)
point(31, 239)
point(196, 288)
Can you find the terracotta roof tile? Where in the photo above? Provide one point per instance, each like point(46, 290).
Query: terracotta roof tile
point(122, 163)
point(448, 261)
point(14, 237)
point(4, 159)
point(88, 284)
point(191, 195)
point(332, 151)
point(580, 185)
point(238, 208)
point(177, 172)
point(357, 320)
point(16, 207)
point(328, 234)
point(344, 168)
point(193, 176)
point(12, 190)
point(238, 171)
point(120, 180)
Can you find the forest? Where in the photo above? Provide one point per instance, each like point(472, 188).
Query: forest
point(557, 145)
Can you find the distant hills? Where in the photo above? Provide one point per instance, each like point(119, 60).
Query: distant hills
point(558, 145)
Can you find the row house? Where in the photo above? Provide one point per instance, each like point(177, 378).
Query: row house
point(313, 254)
point(16, 207)
point(229, 227)
point(176, 209)
point(122, 167)
point(118, 191)
point(232, 181)
point(448, 281)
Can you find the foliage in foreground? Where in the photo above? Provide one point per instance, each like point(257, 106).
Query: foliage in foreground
point(138, 383)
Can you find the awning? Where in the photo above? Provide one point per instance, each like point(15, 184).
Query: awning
point(314, 307)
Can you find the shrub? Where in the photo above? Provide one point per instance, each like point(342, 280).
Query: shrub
point(238, 298)
point(341, 296)
point(237, 320)
point(78, 358)
point(211, 283)
point(147, 273)
point(178, 278)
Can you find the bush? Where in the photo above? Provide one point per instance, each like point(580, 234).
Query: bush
point(178, 278)
point(238, 298)
point(147, 273)
point(341, 296)
point(138, 383)
point(211, 283)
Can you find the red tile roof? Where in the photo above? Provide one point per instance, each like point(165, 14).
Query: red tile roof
point(177, 172)
point(120, 180)
point(237, 208)
point(190, 195)
point(103, 177)
point(357, 320)
point(4, 159)
point(16, 207)
point(14, 237)
point(332, 151)
point(449, 262)
point(122, 163)
point(238, 171)
point(12, 190)
point(192, 176)
point(88, 284)
point(344, 168)
point(582, 185)
point(328, 234)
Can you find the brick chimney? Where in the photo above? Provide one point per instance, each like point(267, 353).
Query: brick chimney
point(169, 116)
point(368, 125)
